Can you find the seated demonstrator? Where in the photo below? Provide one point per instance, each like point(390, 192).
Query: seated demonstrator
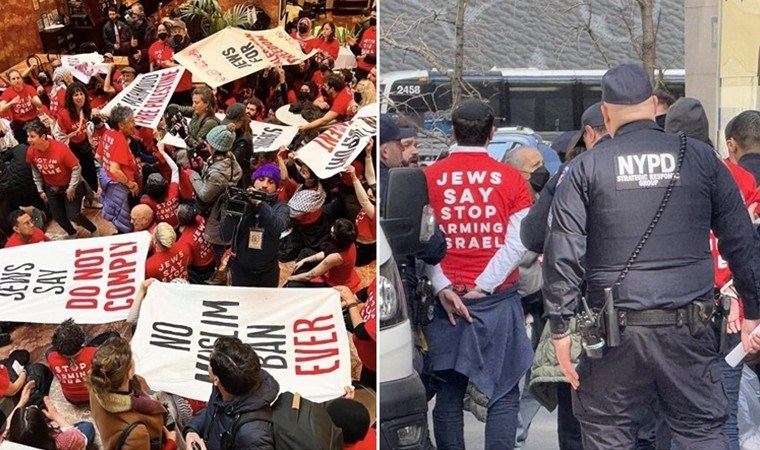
point(662, 292)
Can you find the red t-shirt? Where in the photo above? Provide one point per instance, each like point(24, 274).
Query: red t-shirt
point(15, 240)
point(331, 48)
point(341, 104)
point(193, 236)
point(69, 125)
point(23, 111)
point(72, 379)
point(748, 188)
point(286, 191)
point(368, 46)
point(165, 211)
point(168, 265)
point(367, 350)
point(345, 274)
point(186, 191)
point(474, 196)
point(160, 52)
point(5, 381)
point(365, 227)
point(113, 147)
point(57, 101)
point(54, 164)
point(368, 443)
point(98, 133)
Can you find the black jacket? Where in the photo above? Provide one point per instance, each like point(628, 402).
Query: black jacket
point(273, 219)
point(109, 35)
point(606, 200)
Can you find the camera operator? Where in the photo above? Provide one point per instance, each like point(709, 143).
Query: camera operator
point(257, 232)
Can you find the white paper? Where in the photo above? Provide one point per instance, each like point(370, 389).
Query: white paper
point(17, 367)
point(736, 356)
point(174, 141)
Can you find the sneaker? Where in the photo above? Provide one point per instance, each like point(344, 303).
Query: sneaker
point(92, 204)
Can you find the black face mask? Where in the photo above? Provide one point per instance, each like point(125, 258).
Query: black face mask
point(304, 95)
point(358, 97)
point(372, 22)
point(538, 178)
point(162, 36)
point(178, 39)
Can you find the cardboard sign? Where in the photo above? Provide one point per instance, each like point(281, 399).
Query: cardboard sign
point(298, 334)
point(335, 149)
point(92, 280)
point(148, 96)
point(268, 137)
point(234, 53)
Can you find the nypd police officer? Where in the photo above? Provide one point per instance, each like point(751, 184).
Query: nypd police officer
point(632, 219)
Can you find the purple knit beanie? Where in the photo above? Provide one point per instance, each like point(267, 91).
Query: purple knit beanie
point(269, 171)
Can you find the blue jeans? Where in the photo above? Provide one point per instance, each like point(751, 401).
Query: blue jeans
point(87, 429)
point(732, 377)
point(501, 422)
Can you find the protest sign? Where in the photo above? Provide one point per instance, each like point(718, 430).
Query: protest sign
point(92, 280)
point(174, 141)
point(84, 66)
point(268, 137)
point(298, 334)
point(234, 53)
point(335, 149)
point(148, 95)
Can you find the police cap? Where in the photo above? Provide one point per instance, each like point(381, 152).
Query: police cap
point(389, 131)
point(592, 116)
point(626, 84)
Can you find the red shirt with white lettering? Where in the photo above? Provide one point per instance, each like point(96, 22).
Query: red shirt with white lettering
point(159, 53)
point(165, 211)
point(193, 236)
point(24, 110)
point(341, 103)
point(473, 196)
point(54, 164)
point(72, 373)
point(368, 46)
point(113, 147)
point(15, 239)
point(68, 125)
point(171, 264)
point(57, 101)
point(367, 350)
point(97, 133)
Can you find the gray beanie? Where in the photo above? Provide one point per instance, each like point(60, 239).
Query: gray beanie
point(220, 138)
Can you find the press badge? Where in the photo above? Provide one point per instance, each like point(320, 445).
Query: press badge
point(255, 238)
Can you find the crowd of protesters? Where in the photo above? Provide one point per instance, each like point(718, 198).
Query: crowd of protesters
point(219, 212)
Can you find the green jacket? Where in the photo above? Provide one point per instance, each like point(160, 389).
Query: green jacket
point(545, 372)
point(198, 127)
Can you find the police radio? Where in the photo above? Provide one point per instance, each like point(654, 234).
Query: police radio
point(590, 331)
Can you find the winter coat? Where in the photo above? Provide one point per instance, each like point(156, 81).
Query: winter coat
point(115, 199)
point(17, 183)
point(545, 372)
point(198, 126)
point(219, 172)
point(113, 412)
point(273, 219)
point(219, 415)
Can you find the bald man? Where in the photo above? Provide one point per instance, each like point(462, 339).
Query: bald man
point(142, 218)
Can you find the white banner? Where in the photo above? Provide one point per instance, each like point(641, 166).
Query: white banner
point(335, 149)
point(268, 137)
point(148, 95)
point(93, 280)
point(298, 334)
point(234, 53)
point(84, 66)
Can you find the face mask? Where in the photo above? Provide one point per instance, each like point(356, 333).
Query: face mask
point(178, 39)
point(303, 28)
point(538, 178)
point(162, 36)
point(304, 95)
point(372, 22)
point(357, 97)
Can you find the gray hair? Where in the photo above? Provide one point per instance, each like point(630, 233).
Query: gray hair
point(119, 115)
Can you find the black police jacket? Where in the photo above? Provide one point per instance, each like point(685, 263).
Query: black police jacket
point(606, 200)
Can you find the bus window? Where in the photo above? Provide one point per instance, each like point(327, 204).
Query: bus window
point(592, 93)
point(489, 90)
point(541, 106)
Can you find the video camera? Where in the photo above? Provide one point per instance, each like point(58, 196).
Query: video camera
point(238, 199)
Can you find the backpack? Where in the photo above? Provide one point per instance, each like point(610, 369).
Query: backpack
point(298, 423)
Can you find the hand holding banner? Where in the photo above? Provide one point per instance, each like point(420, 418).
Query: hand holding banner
point(148, 96)
point(335, 149)
point(92, 280)
point(298, 334)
